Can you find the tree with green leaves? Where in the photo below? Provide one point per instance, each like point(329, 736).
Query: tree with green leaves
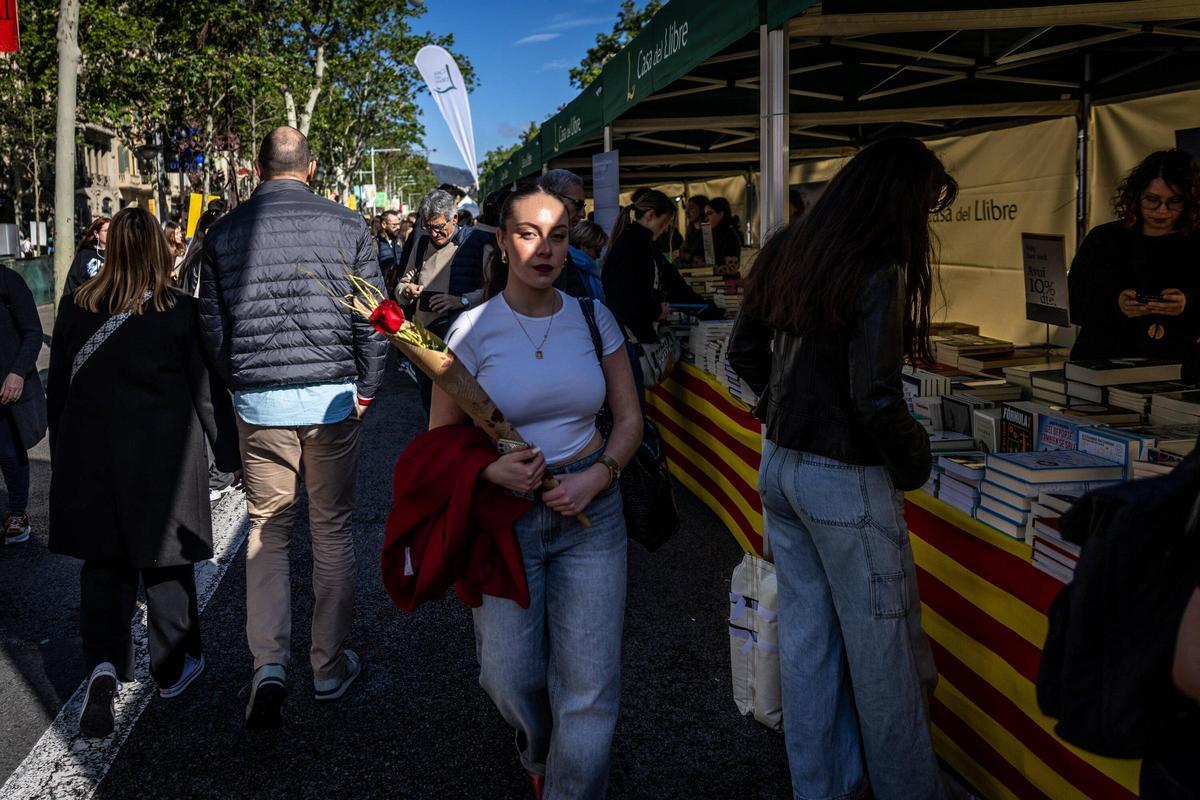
point(630, 21)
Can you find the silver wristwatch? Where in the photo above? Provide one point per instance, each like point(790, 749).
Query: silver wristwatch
point(466, 301)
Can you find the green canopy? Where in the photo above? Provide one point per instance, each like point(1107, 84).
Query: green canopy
point(678, 38)
point(528, 159)
point(580, 120)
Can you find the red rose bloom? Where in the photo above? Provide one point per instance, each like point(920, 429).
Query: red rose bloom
point(388, 317)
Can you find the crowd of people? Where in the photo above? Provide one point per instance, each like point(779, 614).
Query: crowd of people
point(181, 369)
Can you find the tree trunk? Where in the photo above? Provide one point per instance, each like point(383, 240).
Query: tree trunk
point(37, 189)
point(64, 152)
point(314, 92)
point(208, 159)
point(289, 103)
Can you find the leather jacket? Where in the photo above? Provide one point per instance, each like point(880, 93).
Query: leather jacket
point(839, 394)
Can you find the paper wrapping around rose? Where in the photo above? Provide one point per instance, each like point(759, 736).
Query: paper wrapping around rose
point(452, 378)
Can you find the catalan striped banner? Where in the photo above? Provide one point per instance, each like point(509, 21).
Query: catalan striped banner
point(983, 606)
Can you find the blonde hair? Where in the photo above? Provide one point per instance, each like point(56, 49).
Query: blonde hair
point(139, 260)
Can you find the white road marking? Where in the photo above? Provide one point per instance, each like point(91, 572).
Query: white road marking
point(65, 766)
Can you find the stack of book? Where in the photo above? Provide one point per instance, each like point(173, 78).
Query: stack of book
point(961, 475)
point(950, 442)
point(1138, 396)
point(703, 279)
point(995, 389)
point(943, 329)
point(949, 349)
point(998, 363)
point(1050, 386)
point(1175, 408)
point(704, 332)
point(921, 382)
point(958, 412)
point(1053, 554)
point(1013, 480)
point(738, 388)
point(1094, 382)
point(728, 296)
point(1023, 375)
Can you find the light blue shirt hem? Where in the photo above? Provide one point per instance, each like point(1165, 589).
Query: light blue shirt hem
point(291, 406)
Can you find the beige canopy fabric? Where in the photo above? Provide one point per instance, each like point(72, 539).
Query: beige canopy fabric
point(1125, 133)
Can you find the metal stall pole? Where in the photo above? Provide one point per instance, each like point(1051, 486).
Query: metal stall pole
point(773, 130)
point(1081, 168)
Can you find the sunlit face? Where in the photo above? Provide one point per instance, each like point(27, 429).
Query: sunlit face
point(440, 229)
point(102, 236)
point(535, 240)
point(177, 236)
point(390, 225)
point(1161, 207)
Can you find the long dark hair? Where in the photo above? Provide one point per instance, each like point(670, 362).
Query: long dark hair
point(497, 269)
point(139, 261)
point(722, 205)
point(91, 236)
point(808, 277)
point(649, 200)
point(1178, 170)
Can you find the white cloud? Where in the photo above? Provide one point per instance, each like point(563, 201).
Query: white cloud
point(537, 37)
point(581, 22)
point(555, 65)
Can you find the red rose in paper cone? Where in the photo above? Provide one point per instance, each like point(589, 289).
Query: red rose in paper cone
point(388, 317)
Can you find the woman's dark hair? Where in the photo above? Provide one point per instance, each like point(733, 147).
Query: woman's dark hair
point(206, 221)
point(875, 212)
point(722, 205)
point(139, 261)
point(91, 236)
point(649, 200)
point(1178, 170)
point(489, 212)
point(700, 201)
point(496, 269)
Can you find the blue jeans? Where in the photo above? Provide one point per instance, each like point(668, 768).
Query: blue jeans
point(856, 667)
point(554, 670)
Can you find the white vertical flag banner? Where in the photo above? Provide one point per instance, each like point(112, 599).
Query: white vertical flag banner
point(449, 91)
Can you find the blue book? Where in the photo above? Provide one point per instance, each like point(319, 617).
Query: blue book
point(1056, 432)
point(1062, 466)
point(1112, 444)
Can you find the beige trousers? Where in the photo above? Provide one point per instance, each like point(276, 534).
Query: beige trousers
point(273, 459)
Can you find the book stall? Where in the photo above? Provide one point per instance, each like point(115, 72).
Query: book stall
point(753, 99)
point(1018, 434)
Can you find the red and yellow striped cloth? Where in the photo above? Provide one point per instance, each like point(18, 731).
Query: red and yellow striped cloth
point(983, 606)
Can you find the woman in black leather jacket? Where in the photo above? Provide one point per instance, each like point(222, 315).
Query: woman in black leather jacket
point(833, 306)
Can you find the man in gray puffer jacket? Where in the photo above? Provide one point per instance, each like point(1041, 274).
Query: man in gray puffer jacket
point(303, 370)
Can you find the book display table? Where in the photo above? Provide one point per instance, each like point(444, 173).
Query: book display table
point(983, 606)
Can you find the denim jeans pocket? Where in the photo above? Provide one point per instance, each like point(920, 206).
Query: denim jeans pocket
point(832, 493)
point(889, 595)
point(885, 506)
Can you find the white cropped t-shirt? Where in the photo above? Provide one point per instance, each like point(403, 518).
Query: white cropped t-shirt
point(553, 401)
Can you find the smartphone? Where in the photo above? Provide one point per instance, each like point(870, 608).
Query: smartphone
point(425, 298)
point(1144, 298)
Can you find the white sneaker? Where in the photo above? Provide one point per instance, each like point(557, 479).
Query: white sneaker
point(268, 689)
point(192, 669)
point(99, 714)
point(334, 688)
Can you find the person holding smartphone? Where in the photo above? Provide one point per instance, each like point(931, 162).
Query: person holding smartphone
point(1134, 282)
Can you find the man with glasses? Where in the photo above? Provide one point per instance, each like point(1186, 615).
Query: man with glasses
point(390, 245)
point(424, 286)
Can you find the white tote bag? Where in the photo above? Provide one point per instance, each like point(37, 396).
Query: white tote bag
point(754, 641)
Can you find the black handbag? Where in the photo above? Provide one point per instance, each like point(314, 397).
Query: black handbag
point(29, 413)
point(651, 515)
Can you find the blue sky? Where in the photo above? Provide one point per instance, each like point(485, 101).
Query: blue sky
point(521, 51)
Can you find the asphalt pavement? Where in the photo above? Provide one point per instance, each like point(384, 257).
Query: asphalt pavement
point(416, 724)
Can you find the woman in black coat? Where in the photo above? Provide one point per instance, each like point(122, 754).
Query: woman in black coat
point(22, 401)
point(129, 413)
point(89, 255)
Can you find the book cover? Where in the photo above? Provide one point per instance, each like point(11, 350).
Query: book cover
point(1056, 432)
point(1111, 446)
point(965, 466)
point(1106, 372)
point(958, 414)
point(986, 427)
point(1055, 467)
point(1018, 427)
point(1060, 500)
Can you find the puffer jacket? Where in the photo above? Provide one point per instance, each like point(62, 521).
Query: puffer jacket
point(265, 309)
point(839, 395)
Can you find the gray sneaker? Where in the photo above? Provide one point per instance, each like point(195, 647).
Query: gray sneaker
point(192, 668)
point(98, 717)
point(267, 692)
point(334, 688)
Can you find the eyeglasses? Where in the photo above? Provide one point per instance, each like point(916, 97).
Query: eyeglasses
point(440, 230)
point(1151, 202)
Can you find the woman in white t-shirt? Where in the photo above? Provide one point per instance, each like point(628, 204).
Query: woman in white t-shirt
point(531, 348)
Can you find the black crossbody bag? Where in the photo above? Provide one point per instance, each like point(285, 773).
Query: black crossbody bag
point(651, 516)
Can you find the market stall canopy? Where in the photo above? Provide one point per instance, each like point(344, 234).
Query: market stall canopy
point(930, 69)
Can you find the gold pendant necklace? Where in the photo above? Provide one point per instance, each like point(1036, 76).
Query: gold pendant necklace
point(537, 348)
